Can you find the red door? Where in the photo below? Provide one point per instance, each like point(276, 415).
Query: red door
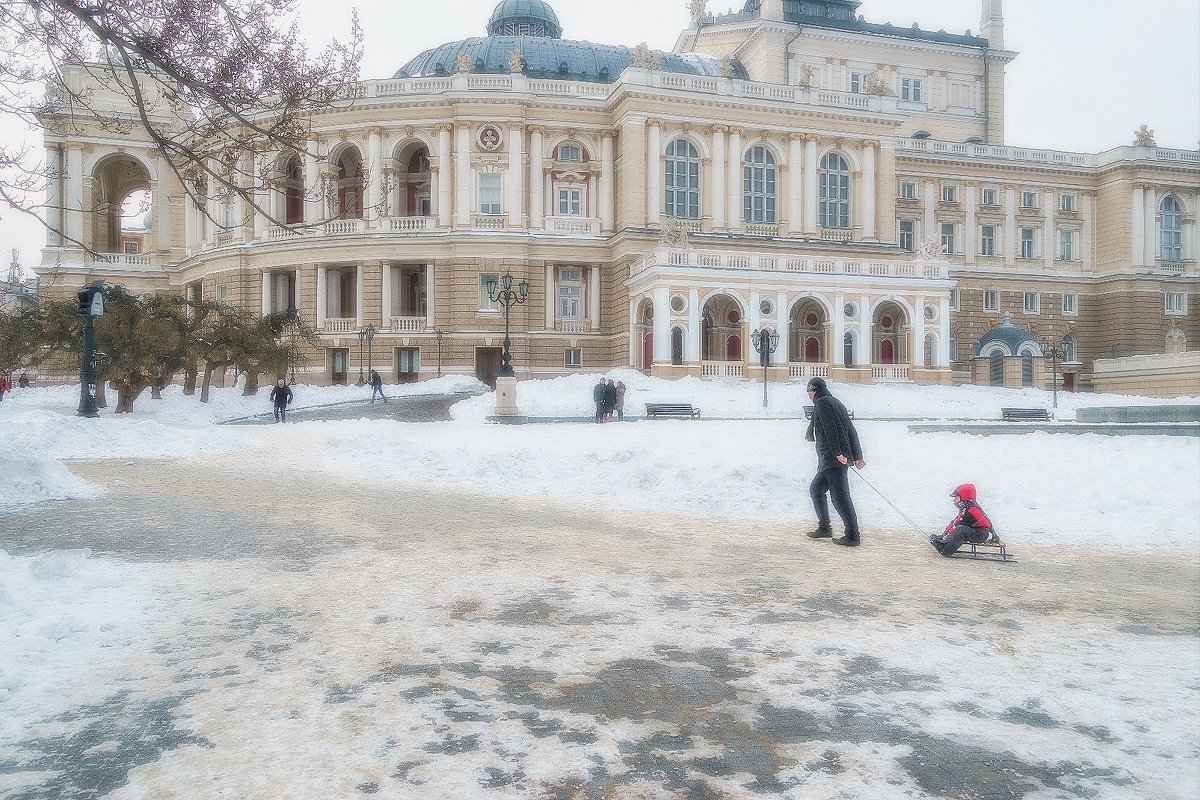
point(887, 352)
point(733, 348)
point(812, 350)
point(647, 350)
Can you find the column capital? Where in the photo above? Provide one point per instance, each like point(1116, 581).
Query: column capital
point(795, 136)
point(719, 128)
point(735, 131)
point(1141, 185)
point(1012, 187)
point(445, 127)
point(971, 184)
point(374, 130)
point(607, 133)
point(870, 143)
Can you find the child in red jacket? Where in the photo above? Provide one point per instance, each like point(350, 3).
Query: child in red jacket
point(971, 524)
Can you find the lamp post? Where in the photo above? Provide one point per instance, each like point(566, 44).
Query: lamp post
point(362, 334)
point(765, 341)
point(504, 294)
point(370, 334)
point(439, 340)
point(1055, 352)
point(91, 305)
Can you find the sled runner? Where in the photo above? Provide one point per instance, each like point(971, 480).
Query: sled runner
point(991, 550)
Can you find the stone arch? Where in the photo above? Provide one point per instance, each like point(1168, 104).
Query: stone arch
point(644, 328)
point(115, 179)
point(348, 177)
point(723, 327)
point(409, 188)
point(808, 321)
point(890, 320)
point(287, 180)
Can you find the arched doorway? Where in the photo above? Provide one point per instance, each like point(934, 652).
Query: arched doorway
point(644, 327)
point(121, 199)
point(411, 194)
point(889, 328)
point(721, 320)
point(349, 203)
point(677, 346)
point(806, 329)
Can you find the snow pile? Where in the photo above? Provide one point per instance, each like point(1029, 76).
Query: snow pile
point(29, 477)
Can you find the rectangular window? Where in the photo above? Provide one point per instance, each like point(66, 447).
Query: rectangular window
point(570, 301)
point(1028, 243)
point(856, 83)
point(954, 299)
point(949, 193)
point(570, 201)
point(489, 193)
point(991, 300)
point(1070, 304)
point(908, 190)
point(910, 89)
point(569, 152)
point(1175, 303)
point(1066, 245)
point(908, 235)
point(1067, 202)
point(131, 248)
point(987, 240)
point(222, 293)
point(574, 357)
point(486, 303)
point(948, 238)
point(1029, 200)
point(424, 206)
point(990, 197)
point(1031, 302)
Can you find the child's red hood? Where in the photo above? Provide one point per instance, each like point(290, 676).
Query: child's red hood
point(966, 491)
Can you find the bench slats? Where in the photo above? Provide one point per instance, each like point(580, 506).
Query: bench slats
point(672, 410)
point(1024, 415)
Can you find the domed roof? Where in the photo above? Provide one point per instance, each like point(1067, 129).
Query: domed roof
point(532, 27)
point(1011, 339)
point(532, 17)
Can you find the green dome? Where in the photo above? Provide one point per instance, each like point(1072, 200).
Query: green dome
point(524, 18)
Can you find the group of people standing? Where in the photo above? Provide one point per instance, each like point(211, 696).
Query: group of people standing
point(609, 396)
point(6, 384)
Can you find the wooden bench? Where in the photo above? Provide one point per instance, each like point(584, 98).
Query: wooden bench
point(1024, 415)
point(992, 550)
point(809, 409)
point(681, 410)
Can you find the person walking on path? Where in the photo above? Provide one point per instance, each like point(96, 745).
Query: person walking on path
point(971, 524)
point(4, 386)
point(837, 447)
point(620, 400)
point(610, 399)
point(376, 387)
point(598, 398)
point(281, 398)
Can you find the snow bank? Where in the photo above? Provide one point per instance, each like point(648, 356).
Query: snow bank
point(27, 477)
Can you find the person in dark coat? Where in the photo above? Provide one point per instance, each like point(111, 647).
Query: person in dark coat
point(598, 398)
point(620, 400)
point(610, 399)
point(281, 398)
point(971, 524)
point(376, 387)
point(23, 381)
point(837, 447)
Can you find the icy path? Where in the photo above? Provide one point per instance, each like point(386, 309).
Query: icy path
point(250, 632)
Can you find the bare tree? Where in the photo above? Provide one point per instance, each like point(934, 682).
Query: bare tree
point(210, 82)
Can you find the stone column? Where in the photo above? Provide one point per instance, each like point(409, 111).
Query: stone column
point(929, 196)
point(1048, 242)
point(322, 305)
point(916, 356)
point(869, 189)
point(810, 186)
point(359, 310)
point(1010, 225)
point(608, 183)
point(866, 346)
point(431, 295)
point(298, 272)
point(385, 291)
point(653, 175)
point(662, 328)
point(594, 296)
point(54, 197)
point(733, 184)
point(792, 218)
point(693, 351)
point(74, 192)
point(266, 293)
point(462, 175)
point(970, 227)
point(834, 353)
point(374, 192)
point(314, 201)
point(1087, 234)
point(1150, 229)
point(716, 193)
point(444, 196)
point(516, 170)
point(782, 320)
point(1138, 226)
point(943, 347)
point(537, 178)
point(550, 289)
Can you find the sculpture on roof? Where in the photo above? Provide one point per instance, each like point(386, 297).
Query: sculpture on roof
point(697, 9)
point(516, 63)
point(1144, 137)
point(674, 234)
point(726, 66)
point(643, 56)
point(463, 61)
point(930, 249)
point(877, 84)
point(806, 75)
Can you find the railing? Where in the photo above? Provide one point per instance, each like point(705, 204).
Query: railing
point(836, 234)
point(573, 326)
point(889, 372)
point(124, 259)
point(340, 324)
point(488, 222)
point(1189, 359)
point(1051, 157)
point(760, 229)
point(343, 227)
point(406, 224)
point(933, 270)
point(1172, 267)
point(807, 370)
point(721, 369)
point(277, 232)
point(585, 226)
point(409, 324)
point(223, 238)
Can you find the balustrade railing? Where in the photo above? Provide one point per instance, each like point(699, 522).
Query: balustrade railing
point(804, 370)
point(889, 372)
point(933, 270)
point(573, 325)
point(409, 324)
point(340, 324)
point(579, 226)
point(342, 227)
point(124, 259)
point(488, 222)
point(406, 224)
point(722, 369)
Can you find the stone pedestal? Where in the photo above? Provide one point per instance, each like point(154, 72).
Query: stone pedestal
point(506, 397)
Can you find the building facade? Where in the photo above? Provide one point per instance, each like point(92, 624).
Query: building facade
point(790, 166)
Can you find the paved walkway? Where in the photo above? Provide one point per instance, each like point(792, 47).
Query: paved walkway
point(309, 638)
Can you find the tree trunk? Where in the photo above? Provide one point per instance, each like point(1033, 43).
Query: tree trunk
point(209, 369)
point(189, 380)
point(128, 392)
point(159, 383)
point(251, 387)
point(101, 398)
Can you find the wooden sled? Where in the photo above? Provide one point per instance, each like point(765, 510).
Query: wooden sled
point(993, 550)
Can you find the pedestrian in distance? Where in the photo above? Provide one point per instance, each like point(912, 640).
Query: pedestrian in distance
point(610, 399)
point(598, 398)
point(620, 400)
point(4, 386)
point(281, 398)
point(833, 433)
point(970, 525)
point(23, 381)
point(376, 387)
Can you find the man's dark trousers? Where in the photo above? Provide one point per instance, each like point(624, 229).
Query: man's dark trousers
point(836, 481)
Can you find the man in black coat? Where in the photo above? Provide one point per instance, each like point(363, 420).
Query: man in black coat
point(837, 446)
point(281, 398)
point(598, 398)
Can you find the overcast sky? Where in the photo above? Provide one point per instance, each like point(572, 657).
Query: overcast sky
point(1088, 73)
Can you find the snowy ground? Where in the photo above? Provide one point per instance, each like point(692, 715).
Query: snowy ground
point(462, 609)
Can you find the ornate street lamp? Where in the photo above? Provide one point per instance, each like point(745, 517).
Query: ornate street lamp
point(1055, 353)
point(362, 335)
point(765, 342)
point(370, 334)
point(504, 294)
point(439, 340)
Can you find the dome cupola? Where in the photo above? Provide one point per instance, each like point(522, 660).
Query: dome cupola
point(524, 18)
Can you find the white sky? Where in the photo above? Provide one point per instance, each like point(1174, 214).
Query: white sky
point(1088, 74)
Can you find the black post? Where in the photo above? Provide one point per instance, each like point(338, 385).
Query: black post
point(765, 341)
point(370, 339)
point(439, 340)
point(361, 335)
point(1054, 352)
point(507, 296)
point(87, 371)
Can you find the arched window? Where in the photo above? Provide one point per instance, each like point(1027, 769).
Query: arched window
point(1170, 230)
point(1068, 349)
point(293, 193)
point(996, 368)
point(1176, 341)
point(677, 346)
point(835, 192)
point(1027, 369)
point(758, 185)
point(683, 180)
point(848, 350)
point(930, 350)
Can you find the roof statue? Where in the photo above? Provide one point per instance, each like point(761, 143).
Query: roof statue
point(877, 84)
point(463, 61)
point(643, 56)
point(930, 249)
point(805, 76)
point(674, 234)
point(515, 62)
point(1144, 137)
point(727, 66)
point(697, 9)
